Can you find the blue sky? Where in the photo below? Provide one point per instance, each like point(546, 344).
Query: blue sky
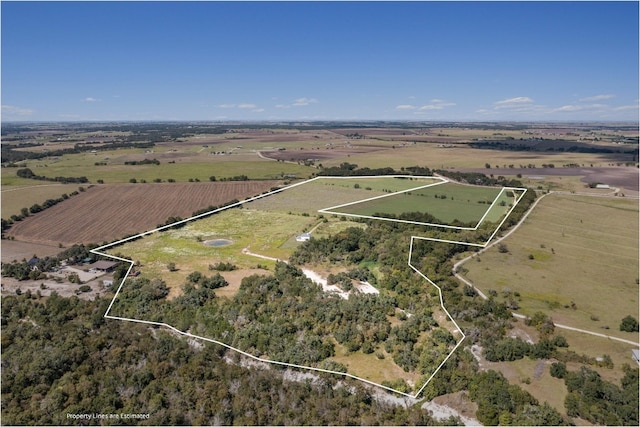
point(320, 61)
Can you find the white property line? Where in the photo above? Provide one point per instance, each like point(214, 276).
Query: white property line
point(99, 250)
point(430, 224)
point(515, 227)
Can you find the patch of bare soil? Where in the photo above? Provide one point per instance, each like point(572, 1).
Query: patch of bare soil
point(454, 404)
point(109, 212)
point(234, 278)
point(14, 250)
point(47, 286)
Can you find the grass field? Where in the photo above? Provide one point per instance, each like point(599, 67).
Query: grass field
point(16, 197)
point(324, 192)
point(575, 258)
point(447, 202)
point(261, 232)
point(369, 367)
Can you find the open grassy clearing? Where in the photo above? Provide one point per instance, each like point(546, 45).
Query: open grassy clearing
point(261, 232)
point(533, 376)
point(16, 197)
point(572, 251)
point(324, 192)
point(595, 347)
point(447, 202)
point(369, 367)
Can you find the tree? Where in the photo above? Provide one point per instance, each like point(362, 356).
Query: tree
point(171, 266)
point(629, 324)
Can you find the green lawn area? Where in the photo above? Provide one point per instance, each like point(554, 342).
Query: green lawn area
point(575, 258)
point(446, 202)
point(325, 192)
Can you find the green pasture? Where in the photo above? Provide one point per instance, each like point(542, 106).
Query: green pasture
point(575, 258)
point(447, 202)
point(261, 232)
point(323, 192)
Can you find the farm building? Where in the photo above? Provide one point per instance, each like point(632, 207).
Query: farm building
point(106, 266)
point(635, 354)
point(33, 263)
point(603, 186)
point(304, 237)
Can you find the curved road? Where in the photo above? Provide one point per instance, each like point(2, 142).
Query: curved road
point(513, 229)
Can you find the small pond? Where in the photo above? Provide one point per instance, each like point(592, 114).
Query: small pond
point(218, 242)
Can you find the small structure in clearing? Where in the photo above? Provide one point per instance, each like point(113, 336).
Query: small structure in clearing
point(304, 237)
point(106, 266)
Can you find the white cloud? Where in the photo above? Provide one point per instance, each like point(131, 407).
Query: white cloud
point(301, 102)
point(90, 99)
point(406, 107)
point(247, 106)
point(258, 110)
point(580, 107)
point(437, 104)
point(226, 105)
point(12, 110)
point(596, 98)
point(513, 102)
point(626, 107)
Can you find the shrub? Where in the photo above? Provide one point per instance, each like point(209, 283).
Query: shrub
point(629, 324)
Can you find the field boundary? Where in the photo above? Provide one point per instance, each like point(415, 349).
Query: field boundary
point(99, 251)
point(332, 210)
point(486, 247)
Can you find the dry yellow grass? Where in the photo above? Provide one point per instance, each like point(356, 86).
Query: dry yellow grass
point(575, 258)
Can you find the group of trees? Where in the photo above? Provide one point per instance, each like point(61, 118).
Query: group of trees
point(28, 174)
point(142, 162)
point(52, 358)
point(599, 401)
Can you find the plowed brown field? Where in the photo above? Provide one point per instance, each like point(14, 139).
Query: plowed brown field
point(109, 212)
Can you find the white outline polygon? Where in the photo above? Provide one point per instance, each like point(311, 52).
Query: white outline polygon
point(98, 250)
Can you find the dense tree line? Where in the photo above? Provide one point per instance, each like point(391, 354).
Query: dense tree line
point(28, 174)
point(143, 162)
point(552, 145)
point(351, 169)
point(35, 208)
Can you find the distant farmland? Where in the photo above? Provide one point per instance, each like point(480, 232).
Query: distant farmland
point(109, 212)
